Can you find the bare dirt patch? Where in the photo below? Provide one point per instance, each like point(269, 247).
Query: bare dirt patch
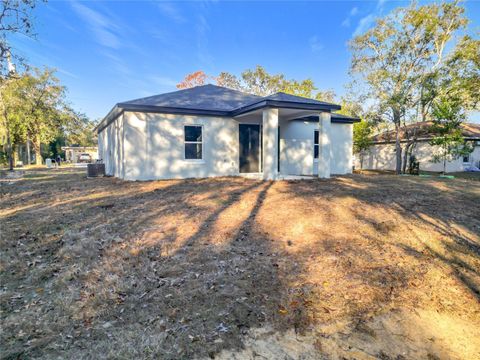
point(354, 267)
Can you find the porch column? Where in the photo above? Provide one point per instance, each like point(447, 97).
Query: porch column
point(270, 144)
point(324, 142)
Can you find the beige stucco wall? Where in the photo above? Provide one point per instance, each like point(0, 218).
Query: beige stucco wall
point(154, 146)
point(101, 145)
point(147, 146)
point(342, 148)
point(297, 148)
point(110, 147)
point(382, 157)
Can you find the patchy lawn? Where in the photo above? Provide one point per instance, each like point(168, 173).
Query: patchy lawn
point(367, 266)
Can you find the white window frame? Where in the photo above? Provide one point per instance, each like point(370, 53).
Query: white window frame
point(316, 158)
point(469, 159)
point(185, 142)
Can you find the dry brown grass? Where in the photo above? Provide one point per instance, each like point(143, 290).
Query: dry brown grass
point(353, 267)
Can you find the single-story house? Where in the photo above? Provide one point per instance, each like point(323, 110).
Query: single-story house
point(381, 155)
point(210, 131)
point(76, 154)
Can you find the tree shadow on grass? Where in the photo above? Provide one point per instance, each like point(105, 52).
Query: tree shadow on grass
point(177, 269)
point(446, 211)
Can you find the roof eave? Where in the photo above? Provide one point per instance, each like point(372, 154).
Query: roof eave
point(345, 121)
point(334, 119)
point(120, 107)
point(284, 105)
point(111, 116)
point(171, 110)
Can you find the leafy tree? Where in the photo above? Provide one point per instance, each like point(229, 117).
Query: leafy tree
point(77, 129)
point(12, 129)
point(259, 82)
point(33, 107)
point(54, 148)
point(43, 100)
point(448, 119)
point(353, 108)
point(196, 78)
point(460, 77)
point(228, 80)
point(362, 139)
point(401, 59)
point(326, 95)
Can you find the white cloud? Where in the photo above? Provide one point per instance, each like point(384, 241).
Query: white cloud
point(202, 28)
point(348, 19)
point(380, 3)
point(170, 11)
point(104, 30)
point(364, 24)
point(315, 44)
point(66, 72)
point(117, 63)
point(367, 21)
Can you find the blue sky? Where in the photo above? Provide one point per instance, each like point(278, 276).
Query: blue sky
point(110, 51)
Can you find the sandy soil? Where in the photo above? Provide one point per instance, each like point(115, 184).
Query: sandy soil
point(359, 267)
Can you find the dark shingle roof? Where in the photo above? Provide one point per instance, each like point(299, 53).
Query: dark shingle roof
point(213, 100)
point(206, 97)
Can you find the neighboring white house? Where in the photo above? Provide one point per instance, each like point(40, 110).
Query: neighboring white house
point(210, 131)
point(381, 156)
point(76, 154)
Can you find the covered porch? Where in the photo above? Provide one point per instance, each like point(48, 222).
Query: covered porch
point(285, 143)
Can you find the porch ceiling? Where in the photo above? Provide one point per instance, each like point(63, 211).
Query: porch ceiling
point(284, 114)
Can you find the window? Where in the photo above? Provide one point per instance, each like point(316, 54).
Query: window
point(193, 143)
point(315, 145)
point(466, 159)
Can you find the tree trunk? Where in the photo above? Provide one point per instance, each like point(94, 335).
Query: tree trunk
point(10, 150)
point(398, 146)
point(9, 142)
point(361, 160)
point(406, 155)
point(38, 153)
point(444, 160)
point(28, 150)
point(405, 159)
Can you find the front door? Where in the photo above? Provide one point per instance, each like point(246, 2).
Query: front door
point(250, 148)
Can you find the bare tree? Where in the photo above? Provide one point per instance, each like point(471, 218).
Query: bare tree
point(15, 18)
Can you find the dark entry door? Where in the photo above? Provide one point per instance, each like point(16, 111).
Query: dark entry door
point(250, 148)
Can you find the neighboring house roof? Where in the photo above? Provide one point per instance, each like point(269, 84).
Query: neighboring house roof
point(79, 148)
point(424, 131)
point(215, 100)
